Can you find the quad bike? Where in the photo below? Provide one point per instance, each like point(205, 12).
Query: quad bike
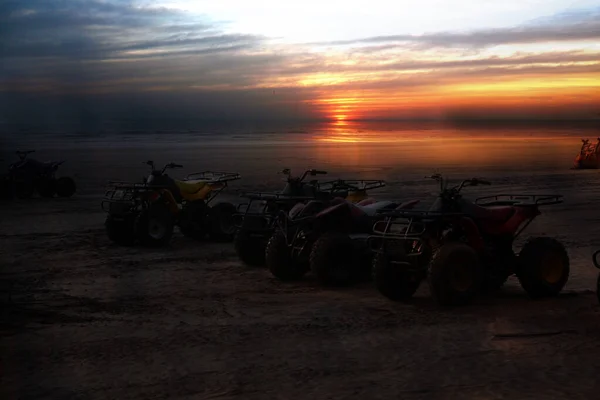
point(464, 247)
point(147, 212)
point(256, 217)
point(27, 176)
point(597, 265)
point(327, 238)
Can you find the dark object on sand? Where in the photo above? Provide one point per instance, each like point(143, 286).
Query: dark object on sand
point(28, 176)
point(255, 218)
point(147, 212)
point(597, 265)
point(589, 155)
point(464, 247)
point(327, 238)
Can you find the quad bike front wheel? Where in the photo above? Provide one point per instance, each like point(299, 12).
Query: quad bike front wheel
point(543, 267)
point(154, 226)
point(65, 187)
point(120, 230)
point(279, 260)
point(222, 225)
point(455, 274)
point(333, 260)
point(251, 250)
point(393, 280)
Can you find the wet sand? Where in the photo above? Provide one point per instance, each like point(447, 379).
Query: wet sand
point(91, 320)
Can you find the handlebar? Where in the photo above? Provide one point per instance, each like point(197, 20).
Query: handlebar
point(311, 172)
point(167, 166)
point(467, 182)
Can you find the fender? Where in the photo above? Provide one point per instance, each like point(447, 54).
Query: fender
point(511, 226)
point(167, 197)
point(340, 213)
point(472, 233)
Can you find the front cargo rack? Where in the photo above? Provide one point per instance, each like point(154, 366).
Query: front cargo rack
point(520, 200)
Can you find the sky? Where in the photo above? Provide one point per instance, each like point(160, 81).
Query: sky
point(309, 59)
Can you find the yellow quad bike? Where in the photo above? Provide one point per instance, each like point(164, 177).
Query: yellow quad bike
point(147, 212)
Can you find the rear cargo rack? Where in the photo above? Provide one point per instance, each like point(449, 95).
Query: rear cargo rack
point(416, 214)
point(520, 200)
point(274, 196)
point(353, 184)
point(213, 176)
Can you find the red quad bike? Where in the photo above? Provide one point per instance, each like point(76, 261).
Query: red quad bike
point(330, 240)
point(464, 247)
point(256, 217)
point(597, 265)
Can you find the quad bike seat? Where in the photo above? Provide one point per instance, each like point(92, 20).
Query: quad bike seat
point(31, 164)
point(371, 209)
point(193, 190)
point(493, 214)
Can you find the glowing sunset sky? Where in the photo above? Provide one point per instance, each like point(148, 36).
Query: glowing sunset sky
point(299, 59)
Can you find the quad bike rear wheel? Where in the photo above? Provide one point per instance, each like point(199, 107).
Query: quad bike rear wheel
point(121, 230)
point(543, 267)
point(455, 274)
point(251, 250)
point(222, 225)
point(279, 260)
point(65, 187)
point(332, 260)
point(154, 226)
point(394, 281)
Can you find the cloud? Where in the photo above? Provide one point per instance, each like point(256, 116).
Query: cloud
point(108, 58)
point(97, 29)
point(574, 26)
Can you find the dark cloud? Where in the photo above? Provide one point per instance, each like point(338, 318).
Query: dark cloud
point(93, 59)
point(89, 112)
point(94, 29)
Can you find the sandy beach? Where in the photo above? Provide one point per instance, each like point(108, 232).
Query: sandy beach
point(85, 319)
point(88, 319)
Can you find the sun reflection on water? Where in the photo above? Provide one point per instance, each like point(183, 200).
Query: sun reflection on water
point(347, 142)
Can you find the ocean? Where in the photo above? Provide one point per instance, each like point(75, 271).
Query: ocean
point(515, 160)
